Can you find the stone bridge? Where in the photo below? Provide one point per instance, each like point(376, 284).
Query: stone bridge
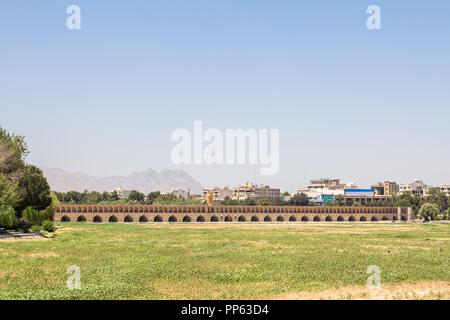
point(142, 213)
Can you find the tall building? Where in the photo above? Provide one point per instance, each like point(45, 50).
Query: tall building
point(388, 188)
point(417, 188)
point(218, 194)
point(391, 188)
point(252, 191)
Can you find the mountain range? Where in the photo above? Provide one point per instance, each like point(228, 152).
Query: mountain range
point(145, 181)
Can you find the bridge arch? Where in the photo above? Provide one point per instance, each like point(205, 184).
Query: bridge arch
point(113, 219)
point(128, 219)
point(316, 219)
point(158, 219)
point(267, 219)
point(172, 219)
point(328, 219)
point(81, 219)
point(292, 219)
point(374, 219)
point(214, 219)
point(98, 219)
point(65, 219)
point(186, 219)
point(305, 219)
point(363, 218)
point(352, 219)
point(241, 219)
point(200, 219)
point(255, 219)
point(228, 219)
point(385, 218)
point(143, 218)
point(280, 219)
point(340, 219)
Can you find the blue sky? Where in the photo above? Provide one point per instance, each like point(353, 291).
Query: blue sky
point(350, 103)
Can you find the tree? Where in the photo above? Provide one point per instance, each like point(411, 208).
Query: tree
point(136, 196)
point(13, 151)
point(49, 212)
point(340, 200)
point(33, 190)
point(8, 192)
point(402, 203)
point(429, 211)
point(300, 199)
point(151, 197)
point(227, 201)
point(93, 197)
point(249, 202)
point(436, 196)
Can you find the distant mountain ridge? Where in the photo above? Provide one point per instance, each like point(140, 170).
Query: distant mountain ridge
point(145, 181)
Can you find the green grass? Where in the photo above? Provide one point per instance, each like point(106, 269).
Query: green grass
point(208, 261)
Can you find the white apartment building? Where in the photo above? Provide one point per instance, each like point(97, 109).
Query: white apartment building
point(252, 191)
point(315, 194)
point(446, 188)
point(122, 192)
point(219, 194)
point(417, 188)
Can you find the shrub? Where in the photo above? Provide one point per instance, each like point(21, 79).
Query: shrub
point(429, 211)
point(36, 228)
point(8, 217)
point(49, 212)
point(23, 225)
point(33, 216)
point(48, 226)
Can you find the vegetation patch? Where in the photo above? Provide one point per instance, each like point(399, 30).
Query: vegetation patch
point(238, 261)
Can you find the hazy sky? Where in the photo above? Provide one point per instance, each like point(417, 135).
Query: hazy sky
point(350, 103)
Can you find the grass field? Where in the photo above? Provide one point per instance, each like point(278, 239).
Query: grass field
point(238, 261)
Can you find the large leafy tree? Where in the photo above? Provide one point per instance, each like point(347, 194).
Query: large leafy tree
point(136, 196)
point(429, 211)
point(300, 199)
point(33, 190)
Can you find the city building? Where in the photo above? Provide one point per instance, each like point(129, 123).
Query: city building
point(378, 188)
point(122, 192)
point(359, 192)
point(362, 200)
point(446, 189)
point(388, 188)
point(323, 191)
point(252, 191)
point(417, 188)
point(325, 183)
point(180, 193)
point(391, 188)
point(218, 194)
